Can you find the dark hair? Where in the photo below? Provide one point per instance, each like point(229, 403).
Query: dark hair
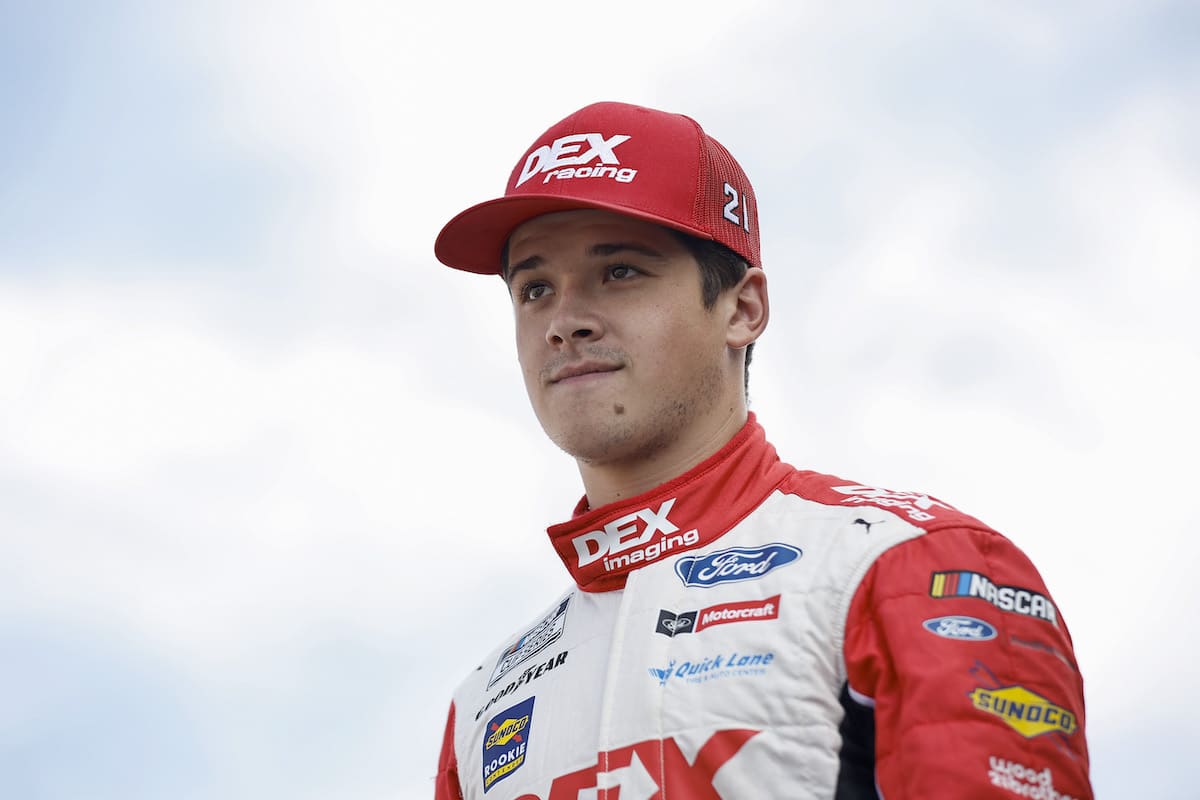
point(720, 269)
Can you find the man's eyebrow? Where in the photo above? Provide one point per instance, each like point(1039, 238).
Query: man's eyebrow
point(595, 251)
point(617, 247)
point(528, 263)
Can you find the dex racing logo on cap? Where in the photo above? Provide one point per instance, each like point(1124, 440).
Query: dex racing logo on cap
point(640, 537)
point(566, 158)
point(734, 564)
point(505, 740)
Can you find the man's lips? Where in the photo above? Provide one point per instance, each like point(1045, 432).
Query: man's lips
point(581, 368)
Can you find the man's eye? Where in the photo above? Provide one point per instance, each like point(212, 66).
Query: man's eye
point(532, 291)
point(621, 271)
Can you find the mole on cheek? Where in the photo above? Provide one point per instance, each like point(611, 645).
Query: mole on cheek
point(618, 408)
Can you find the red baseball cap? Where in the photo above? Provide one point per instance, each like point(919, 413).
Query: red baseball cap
point(638, 161)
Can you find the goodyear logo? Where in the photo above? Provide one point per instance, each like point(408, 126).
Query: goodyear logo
point(1026, 712)
point(506, 742)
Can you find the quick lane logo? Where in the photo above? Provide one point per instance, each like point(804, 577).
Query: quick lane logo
point(562, 159)
point(621, 544)
point(670, 624)
point(711, 668)
point(505, 743)
point(918, 507)
point(734, 564)
point(1026, 712)
point(545, 633)
point(1013, 599)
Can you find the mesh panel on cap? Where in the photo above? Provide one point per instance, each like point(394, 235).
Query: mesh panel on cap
point(721, 168)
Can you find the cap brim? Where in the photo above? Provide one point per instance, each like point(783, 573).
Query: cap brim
point(474, 240)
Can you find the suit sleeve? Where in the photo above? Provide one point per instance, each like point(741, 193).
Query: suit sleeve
point(955, 644)
point(447, 786)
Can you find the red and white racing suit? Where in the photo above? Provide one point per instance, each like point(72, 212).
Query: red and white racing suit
point(749, 630)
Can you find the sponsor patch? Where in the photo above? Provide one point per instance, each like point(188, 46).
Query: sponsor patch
point(671, 624)
point(545, 633)
point(506, 738)
point(527, 675)
point(734, 564)
point(966, 629)
point(709, 668)
point(638, 538)
point(918, 507)
point(1026, 712)
point(1024, 781)
point(1013, 599)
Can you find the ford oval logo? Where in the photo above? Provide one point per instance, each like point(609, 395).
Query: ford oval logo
point(734, 564)
point(967, 629)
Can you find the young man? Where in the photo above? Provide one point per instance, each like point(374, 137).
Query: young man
point(735, 628)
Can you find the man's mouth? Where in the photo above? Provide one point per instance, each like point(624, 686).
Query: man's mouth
point(581, 368)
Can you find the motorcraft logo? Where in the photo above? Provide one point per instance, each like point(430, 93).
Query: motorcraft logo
point(566, 158)
point(505, 742)
point(1013, 599)
point(966, 629)
point(709, 668)
point(545, 633)
point(917, 507)
point(671, 624)
point(1024, 781)
point(638, 538)
point(734, 564)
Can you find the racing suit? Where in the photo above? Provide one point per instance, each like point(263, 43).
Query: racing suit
point(750, 630)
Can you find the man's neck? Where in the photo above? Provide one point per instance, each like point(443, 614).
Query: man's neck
point(614, 481)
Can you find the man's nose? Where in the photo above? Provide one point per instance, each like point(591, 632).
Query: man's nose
point(574, 320)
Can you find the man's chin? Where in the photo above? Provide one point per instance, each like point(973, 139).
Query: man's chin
point(593, 438)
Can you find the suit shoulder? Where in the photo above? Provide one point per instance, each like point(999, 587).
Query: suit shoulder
point(921, 509)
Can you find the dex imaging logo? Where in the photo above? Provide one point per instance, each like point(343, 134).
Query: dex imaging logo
point(565, 158)
point(640, 537)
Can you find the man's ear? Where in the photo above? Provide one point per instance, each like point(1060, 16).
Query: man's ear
point(750, 310)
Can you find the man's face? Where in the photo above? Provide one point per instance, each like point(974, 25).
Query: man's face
point(620, 357)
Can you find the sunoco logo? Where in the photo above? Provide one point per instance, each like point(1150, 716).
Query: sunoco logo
point(1027, 713)
point(734, 564)
point(507, 737)
point(565, 158)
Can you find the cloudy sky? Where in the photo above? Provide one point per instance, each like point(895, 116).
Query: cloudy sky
point(269, 485)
